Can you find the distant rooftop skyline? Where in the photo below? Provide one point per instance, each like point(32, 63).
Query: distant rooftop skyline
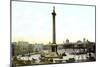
point(32, 22)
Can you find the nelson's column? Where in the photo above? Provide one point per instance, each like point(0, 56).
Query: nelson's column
point(54, 46)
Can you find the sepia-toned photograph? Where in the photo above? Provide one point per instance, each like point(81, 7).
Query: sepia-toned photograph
point(52, 33)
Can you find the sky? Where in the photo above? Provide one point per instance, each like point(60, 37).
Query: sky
point(32, 22)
